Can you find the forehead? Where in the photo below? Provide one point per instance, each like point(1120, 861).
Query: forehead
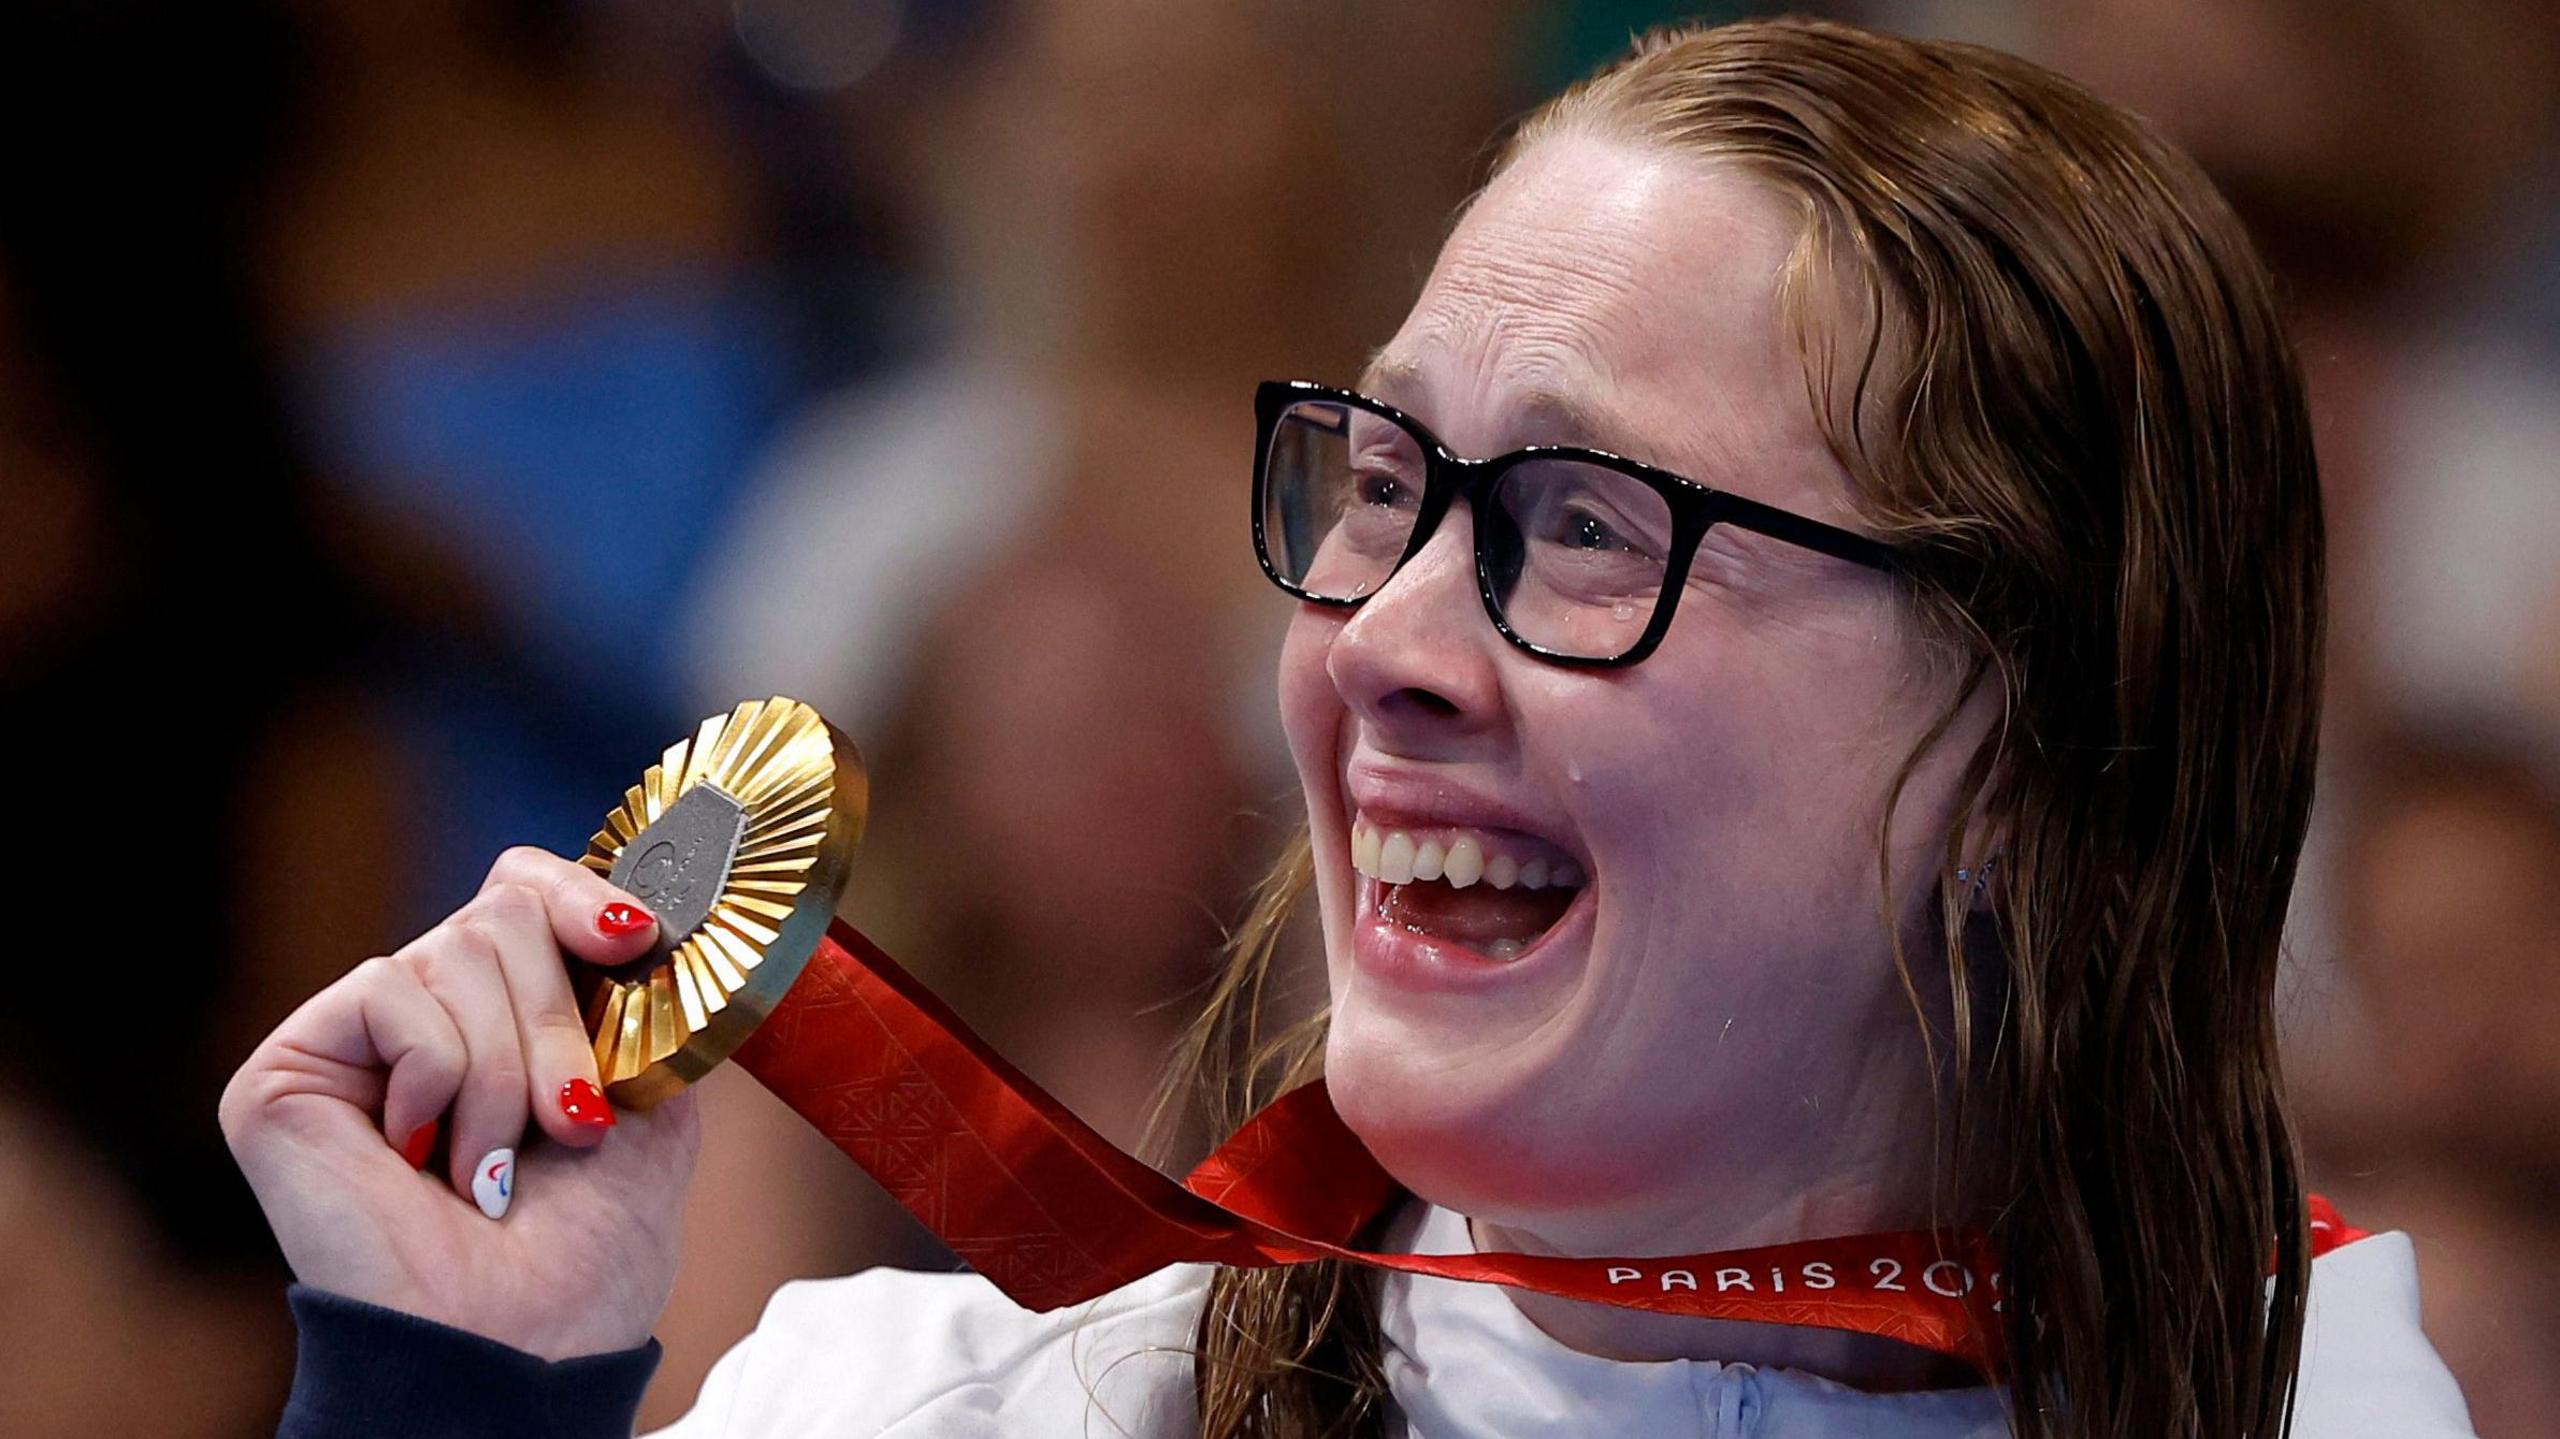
point(1605, 292)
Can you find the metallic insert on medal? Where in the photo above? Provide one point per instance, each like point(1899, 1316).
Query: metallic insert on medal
point(738, 840)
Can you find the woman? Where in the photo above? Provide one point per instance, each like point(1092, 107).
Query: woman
point(1906, 847)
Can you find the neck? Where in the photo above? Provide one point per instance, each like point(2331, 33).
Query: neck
point(1874, 1169)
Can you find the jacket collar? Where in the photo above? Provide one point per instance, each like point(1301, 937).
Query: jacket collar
point(1463, 1361)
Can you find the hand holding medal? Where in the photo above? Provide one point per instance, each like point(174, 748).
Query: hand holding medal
point(395, 1115)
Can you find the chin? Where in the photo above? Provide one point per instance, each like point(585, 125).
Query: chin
point(1488, 1135)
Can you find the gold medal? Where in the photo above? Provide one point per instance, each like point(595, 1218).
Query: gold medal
point(738, 840)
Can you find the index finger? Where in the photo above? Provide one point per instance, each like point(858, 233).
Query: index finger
point(587, 917)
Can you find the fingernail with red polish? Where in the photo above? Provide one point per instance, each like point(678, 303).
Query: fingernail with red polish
point(420, 1145)
point(580, 1101)
point(615, 921)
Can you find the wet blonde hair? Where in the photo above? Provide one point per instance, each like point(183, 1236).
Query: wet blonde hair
point(2068, 397)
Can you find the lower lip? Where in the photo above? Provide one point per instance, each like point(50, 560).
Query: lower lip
point(1413, 960)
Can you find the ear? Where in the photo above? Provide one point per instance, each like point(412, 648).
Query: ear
point(1986, 836)
point(1986, 847)
point(1971, 738)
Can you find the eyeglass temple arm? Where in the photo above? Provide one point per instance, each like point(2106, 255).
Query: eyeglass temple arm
point(1795, 529)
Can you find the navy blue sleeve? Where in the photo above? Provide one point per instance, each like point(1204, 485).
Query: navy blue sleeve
point(361, 1369)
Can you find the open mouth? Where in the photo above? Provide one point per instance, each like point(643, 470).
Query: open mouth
point(1494, 892)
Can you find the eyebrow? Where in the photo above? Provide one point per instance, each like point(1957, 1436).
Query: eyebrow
point(1577, 419)
point(1378, 374)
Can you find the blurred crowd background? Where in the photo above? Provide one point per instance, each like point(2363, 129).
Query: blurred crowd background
point(414, 413)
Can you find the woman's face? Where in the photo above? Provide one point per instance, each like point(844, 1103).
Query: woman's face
point(1715, 1003)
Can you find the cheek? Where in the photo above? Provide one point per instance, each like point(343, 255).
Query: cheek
point(1730, 805)
point(1311, 709)
point(1650, 763)
point(1312, 713)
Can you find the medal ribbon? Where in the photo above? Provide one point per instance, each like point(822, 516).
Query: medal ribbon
point(1054, 1214)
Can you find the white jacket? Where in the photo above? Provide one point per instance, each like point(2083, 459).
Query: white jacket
point(891, 1353)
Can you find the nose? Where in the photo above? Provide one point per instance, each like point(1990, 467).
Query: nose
point(1417, 660)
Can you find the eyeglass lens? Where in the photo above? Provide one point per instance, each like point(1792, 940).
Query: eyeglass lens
point(1575, 553)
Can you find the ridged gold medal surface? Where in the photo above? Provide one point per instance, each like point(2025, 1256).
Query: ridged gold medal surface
point(743, 876)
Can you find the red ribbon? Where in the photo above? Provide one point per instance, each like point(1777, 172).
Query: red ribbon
point(1054, 1214)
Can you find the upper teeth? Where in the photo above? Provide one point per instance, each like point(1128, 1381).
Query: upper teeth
point(1458, 857)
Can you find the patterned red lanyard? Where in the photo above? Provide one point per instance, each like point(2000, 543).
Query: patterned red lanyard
point(1054, 1214)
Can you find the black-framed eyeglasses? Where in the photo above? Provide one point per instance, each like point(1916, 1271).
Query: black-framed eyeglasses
point(1580, 554)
